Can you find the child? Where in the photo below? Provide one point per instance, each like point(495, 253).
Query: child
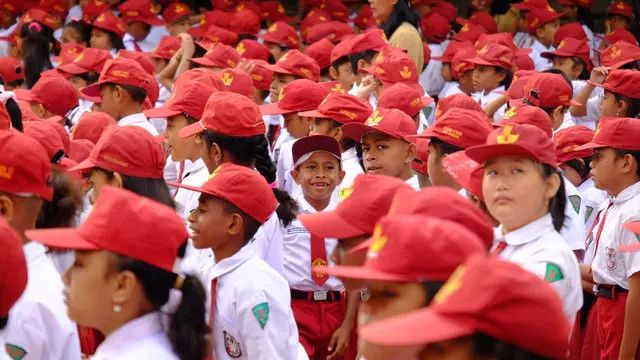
point(139, 16)
point(167, 47)
point(552, 92)
point(386, 148)
point(435, 30)
point(280, 38)
point(323, 328)
point(123, 275)
point(502, 323)
point(107, 32)
point(85, 69)
point(462, 71)
point(615, 169)
point(340, 69)
point(178, 18)
point(76, 32)
point(234, 203)
point(572, 58)
point(321, 52)
point(410, 99)
point(51, 96)
point(528, 235)
point(37, 45)
point(123, 87)
point(619, 16)
point(543, 23)
point(38, 324)
point(364, 48)
point(621, 97)
point(451, 86)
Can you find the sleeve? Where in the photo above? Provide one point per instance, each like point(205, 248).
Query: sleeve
point(540, 63)
point(405, 38)
point(593, 108)
point(631, 259)
point(280, 175)
point(25, 333)
point(264, 327)
point(551, 271)
point(431, 79)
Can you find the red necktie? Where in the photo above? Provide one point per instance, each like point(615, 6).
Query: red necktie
point(136, 46)
point(499, 248)
point(601, 225)
point(318, 258)
point(212, 309)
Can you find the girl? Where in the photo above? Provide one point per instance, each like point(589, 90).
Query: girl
point(38, 46)
point(492, 74)
point(123, 275)
point(520, 168)
point(621, 96)
point(76, 32)
point(107, 33)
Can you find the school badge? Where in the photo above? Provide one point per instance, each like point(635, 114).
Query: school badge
point(231, 345)
point(611, 258)
point(15, 352)
point(261, 313)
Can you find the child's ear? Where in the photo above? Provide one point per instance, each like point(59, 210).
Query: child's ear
point(412, 151)
point(501, 74)
point(557, 117)
point(337, 133)
point(621, 107)
point(553, 185)
point(540, 32)
point(7, 208)
point(116, 181)
point(629, 164)
point(294, 176)
point(361, 64)
point(333, 73)
point(235, 225)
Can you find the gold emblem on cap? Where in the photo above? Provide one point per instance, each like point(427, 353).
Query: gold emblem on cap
point(306, 72)
point(451, 286)
point(454, 133)
point(344, 194)
point(405, 72)
point(374, 119)
point(131, 13)
point(615, 52)
point(241, 49)
point(351, 115)
point(415, 102)
point(620, 5)
point(6, 172)
point(483, 50)
point(280, 9)
point(273, 27)
point(549, 8)
point(281, 95)
point(338, 89)
point(79, 58)
point(120, 73)
point(227, 78)
point(510, 113)
point(179, 9)
point(465, 28)
point(562, 44)
point(506, 137)
point(378, 241)
point(215, 172)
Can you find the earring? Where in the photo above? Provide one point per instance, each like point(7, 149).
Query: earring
point(117, 308)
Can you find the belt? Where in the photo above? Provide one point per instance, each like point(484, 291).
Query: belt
point(328, 296)
point(608, 291)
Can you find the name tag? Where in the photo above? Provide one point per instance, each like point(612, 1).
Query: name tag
point(319, 295)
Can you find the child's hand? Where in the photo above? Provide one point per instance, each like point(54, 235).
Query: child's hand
point(339, 342)
point(599, 74)
point(188, 47)
point(246, 66)
point(367, 87)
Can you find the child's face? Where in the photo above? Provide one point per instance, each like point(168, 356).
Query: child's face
point(71, 36)
point(344, 75)
point(318, 176)
point(547, 32)
point(567, 66)
point(320, 126)
point(100, 39)
point(466, 82)
point(181, 148)
point(515, 191)
point(278, 82)
point(97, 180)
point(615, 22)
point(385, 155)
point(209, 223)
point(342, 256)
point(138, 30)
point(522, 21)
point(77, 82)
point(606, 169)
point(110, 100)
point(445, 72)
point(179, 26)
point(609, 106)
point(275, 50)
point(297, 126)
point(486, 78)
point(438, 176)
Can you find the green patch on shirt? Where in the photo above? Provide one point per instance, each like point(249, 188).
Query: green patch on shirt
point(587, 214)
point(638, 236)
point(575, 202)
point(15, 352)
point(261, 312)
point(553, 273)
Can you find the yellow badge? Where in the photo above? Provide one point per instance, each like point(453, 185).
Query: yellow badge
point(405, 72)
point(240, 49)
point(215, 172)
point(344, 193)
point(465, 28)
point(483, 50)
point(338, 89)
point(79, 58)
point(318, 262)
point(562, 44)
point(273, 27)
point(6, 172)
point(510, 113)
point(179, 9)
point(281, 95)
point(451, 286)
point(615, 52)
point(506, 137)
point(620, 5)
point(227, 78)
point(374, 119)
point(378, 241)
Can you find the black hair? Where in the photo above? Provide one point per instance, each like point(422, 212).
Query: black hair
point(508, 76)
point(37, 45)
point(581, 166)
point(634, 153)
point(341, 60)
point(585, 16)
point(137, 94)
point(247, 36)
point(253, 151)
point(487, 346)
point(82, 28)
point(633, 105)
point(402, 12)
point(584, 74)
point(65, 205)
point(91, 77)
point(154, 189)
point(443, 147)
point(251, 225)
point(431, 288)
point(188, 331)
point(3, 322)
point(547, 109)
point(558, 202)
point(366, 55)
point(116, 41)
point(13, 109)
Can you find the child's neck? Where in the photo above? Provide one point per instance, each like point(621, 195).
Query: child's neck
point(406, 174)
point(544, 43)
point(130, 110)
point(318, 205)
point(622, 184)
point(230, 247)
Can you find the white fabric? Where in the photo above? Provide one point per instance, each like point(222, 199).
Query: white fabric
point(593, 199)
point(450, 88)
point(351, 167)
point(579, 120)
point(284, 166)
point(610, 266)
point(147, 45)
point(3, 353)
point(38, 322)
point(431, 78)
point(83, 107)
point(244, 282)
point(283, 137)
point(138, 120)
point(414, 182)
point(536, 245)
point(484, 98)
point(540, 63)
point(75, 13)
point(267, 243)
point(523, 40)
point(573, 231)
point(4, 44)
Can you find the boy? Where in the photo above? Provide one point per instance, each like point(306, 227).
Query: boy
point(552, 92)
point(178, 18)
point(619, 16)
point(386, 148)
point(250, 306)
point(543, 23)
point(410, 99)
point(435, 30)
point(140, 18)
point(280, 38)
point(340, 69)
point(51, 96)
point(616, 169)
point(122, 88)
point(38, 324)
point(364, 49)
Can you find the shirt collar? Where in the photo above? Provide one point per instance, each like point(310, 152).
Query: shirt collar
point(229, 264)
point(627, 194)
point(529, 232)
point(132, 119)
point(306, 208)
point(414, 182)
point(33, 250)
point(191, 167)
point(146, 325)
point(540, 47)
point(349, 154)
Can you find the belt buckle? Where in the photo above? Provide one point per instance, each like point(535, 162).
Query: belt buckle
point(319, 295)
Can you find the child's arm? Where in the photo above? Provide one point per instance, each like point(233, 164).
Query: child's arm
point(631, 333)
point(493, 106)
point(598, 75)
point(340, 338)
point(166, 75)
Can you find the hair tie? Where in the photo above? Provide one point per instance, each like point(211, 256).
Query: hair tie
point(179, 282)
point(35, 26)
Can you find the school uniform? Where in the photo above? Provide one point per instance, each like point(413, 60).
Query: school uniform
point(537, 48)
point(138, 120)
point(431, 78)
point(146, 45)
point(83, 107)
point(450, 88)
point(38, 322)
point(592, 117)
point(483, 98)
point(523, 40)
point(4, 44)
point(414, 182)
point(284, 165)
point(141, 338)
point(593, 199)
point(3, 353)
point(578, 120)
point(267, 243)
point(283, 137)
point(352, 168)
point(573, 229)
point(252, 316)
point(540, 249)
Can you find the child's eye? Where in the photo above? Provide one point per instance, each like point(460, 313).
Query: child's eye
point(490, 172)
point(382, 147)
point(517, 171)
point(365, 149)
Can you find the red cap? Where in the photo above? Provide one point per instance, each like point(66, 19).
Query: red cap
point(342, 49)
point(314, 17)
point(261, 76)
point(186, 98)
point(221, 55)
point(619, 7)
point(245, 22)
point(569, 139)
point(360, 208)
point(571, 47)
point(214, 35)
point(80, 150)
point(460, 63)
point(445, 9)
point(13, 279)
point(273, 11)
point(494, 55)
point(435, 27)
point(343, 108)
point(502, 38)
point(176, 11)
point(516, 139)
point(230, 114)
point(321, 52)
point(91, 126)
point(522, 60)
point(528, 5)
point(619, 54)
point(24, 165)
point(581, 3)
point(46, 135)
point(109, 22)
point(548, 90)
point(570, 30)
point(139, 57)
point(55, 7)
point(484, 19)
point(420, 162)
point(305, 147)
point(139, 10)
point(452, 49)
point(489, 296)
point(298, 95)
point(469, 32)
point(336, 8)
point(460, 127)
point(623, 82)
point(372, 39)
point(462, 101)
point(236, 81)
point(123, 223)
point(537, 17)
point(621, 35)
point(223, 4)
point(617, 133)
point(251, 49)
point(68, 53)
point(241, 186)
point(93, 8)
point(216, 17)
point(410, 248)
point(5, 119)
point(120, 71)
point(334, 31)
point(39, 16)
point(282, 34)
point(333, 87)
point(54, 93)
point(410, 99)
point(202, 75)
point(61, 131)
point(88, 60)
point(10, 69)
point(249, 5)
point(365, 18)
point(167, 47)
point(391, 122)
point(128, 150)
point(465, 172)
point(393, 65)
point(527, 114)
point(293, 62)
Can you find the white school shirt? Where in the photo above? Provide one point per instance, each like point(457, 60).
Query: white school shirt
point(593, 199)
point(540, 63)
point(284, 166)
point(252, 316)
point(593, 109)
point(611, 267)
point(573, 231)
point(540, 249)
point(484, 98)
point(450, 88)
point(267, 243)
point(83, 107)
point(38, 322)
point(138, 120)
point(352, 168)
point(523, 40)
point(147, 45)
point(139, 339)
point(3, 353)
point(414, 182)
point(431, 79)
point(578, 120)
point(283, 137)
point(297, 253)
point(4, 44)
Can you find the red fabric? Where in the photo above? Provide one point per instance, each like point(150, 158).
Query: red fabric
point(317, 320)
point(584, 338)
point(90, 339)
point(610, 325)
point(499, 248)
point(212, 308)
point(318, 258)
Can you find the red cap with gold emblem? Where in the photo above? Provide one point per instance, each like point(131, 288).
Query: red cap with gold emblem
point(282, 34)
point(251, 49)
point(54, 7)
point(528, 5)
point(245, 22)
point(88, 60)
point(54, 93)
point(502, 38)
point(460, 63)
point(40, 16)
point(334, 31)
point(273, 11)
point(460, 127)
point(452, 49)
point(516, 89)
point(343, 108)
point(621, 35)
point(569, 139)
point(139, 10)
point(620, 7)
point(619, 54)
point(548, 90)
point(120, 71)
point(572, 30)
point(537, 17)
point(622, 82)
point(617, 133)
point(176, 11)
point(469, 32)
point(489, 296)
point(298, 95)
point(484, 19)
point(261, 76)
point(365, 19)
point(372, 39)
point(93, 9)
point(391, 122)
point(462, 101)
point(24, 165)
point(220, 55)
point(321, 52)
point(408, 98)
point(571, 47)
point(186, 98)
point(68, 53)
point(393, 65)
point(167, 47)
point(91, 125)
point(109, 22)
point(139, 57)
point(494, 55)
point(214, 35)
point(236, 81)
point(293, 62)
point(527, 114)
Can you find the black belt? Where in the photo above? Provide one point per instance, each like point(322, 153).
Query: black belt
point(608, 291)
point(328, 296)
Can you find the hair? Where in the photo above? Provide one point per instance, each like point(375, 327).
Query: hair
point(558, 202)
point(633, 105)
point(508, 76)
point(584, 16)
point(443, 147)
point(581, 166)
point(402, 12)
point(116, 41)
point(188, 330)
point(431, 288)
point(340, 61)
point(82, 28)
point(136, 94)
point(13, 109)
point(486, 346)
point(37, 45)
point(366, 55)
point(547, 109)
point(251, 225)
point(91, 77)
point(584, 74)
point(253, 151)
point(636, 156)
point(63, 208)
point(247, 36)
point(154, 189)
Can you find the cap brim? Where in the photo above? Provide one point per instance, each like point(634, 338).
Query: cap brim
point(275, 68)
point(72, 68)
point(356, 131)
point(589, 145)
point(329, 225)
point(360, 273)
point(479, 61)
point(91, 91)
point(419, 327)
point(202, 61)
point(482, 153)
point(86, 164)
point(161, 112)
point(426, 101)
point(191, 130)
point(313, 113)
point(62, 238)
point(274, 109)
point(149, 21)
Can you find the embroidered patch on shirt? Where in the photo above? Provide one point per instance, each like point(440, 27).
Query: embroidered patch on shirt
point(587, 213)
point(15, 352)
point(231, 345)
point(575, 202)
point(261, 312)
point(553, 273)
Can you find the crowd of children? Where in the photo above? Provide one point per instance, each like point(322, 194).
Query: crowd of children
point(397, 179)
